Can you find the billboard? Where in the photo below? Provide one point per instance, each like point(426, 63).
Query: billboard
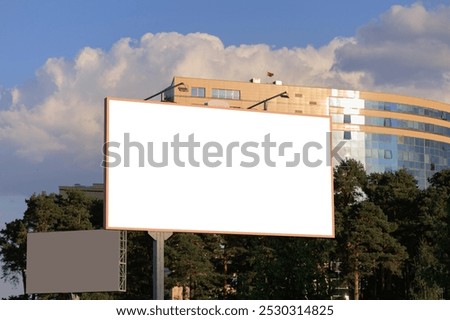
point(76, 261)
point(172, 167)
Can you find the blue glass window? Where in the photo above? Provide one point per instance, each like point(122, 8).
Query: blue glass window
point(387, 122)
point(404, 108)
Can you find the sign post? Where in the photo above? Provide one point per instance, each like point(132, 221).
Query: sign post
point(158, 263)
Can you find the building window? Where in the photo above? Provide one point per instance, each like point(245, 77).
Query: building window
point(347, 135)
point(387, 154)
point(197, 92)
point(347, 118)
point(387, 122)
point(226, 94)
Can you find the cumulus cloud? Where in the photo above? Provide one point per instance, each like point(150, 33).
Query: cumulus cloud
point(407, 50)
point(61, 111)
point(59, 115)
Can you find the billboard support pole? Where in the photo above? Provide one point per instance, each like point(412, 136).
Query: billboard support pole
point(158, 262)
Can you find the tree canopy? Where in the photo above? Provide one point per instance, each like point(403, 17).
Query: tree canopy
point(391, 242)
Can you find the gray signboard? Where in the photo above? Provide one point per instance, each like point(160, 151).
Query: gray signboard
point(76, 261)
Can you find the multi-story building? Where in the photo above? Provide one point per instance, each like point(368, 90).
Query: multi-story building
point(96, 191)
point(383, 131)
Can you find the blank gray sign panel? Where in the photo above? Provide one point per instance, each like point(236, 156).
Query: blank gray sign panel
point(75, 261)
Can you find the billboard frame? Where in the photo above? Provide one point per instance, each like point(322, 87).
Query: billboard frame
point(107, 176)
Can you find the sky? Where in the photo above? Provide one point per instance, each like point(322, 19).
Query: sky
point(59, 59)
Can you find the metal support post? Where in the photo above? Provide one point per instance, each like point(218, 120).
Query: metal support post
point(158, 263)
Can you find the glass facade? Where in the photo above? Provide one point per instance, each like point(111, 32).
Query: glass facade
point(380, 152)
point(407, 124)
point(421, 157)
point(405, 108)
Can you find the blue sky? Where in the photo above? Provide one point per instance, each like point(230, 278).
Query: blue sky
point(33, 31)
point(59, 59)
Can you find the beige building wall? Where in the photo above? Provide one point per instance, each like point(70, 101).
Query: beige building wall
point(341, 105)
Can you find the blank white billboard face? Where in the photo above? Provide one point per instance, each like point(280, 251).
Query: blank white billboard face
point(74, 261)
point(201, 169)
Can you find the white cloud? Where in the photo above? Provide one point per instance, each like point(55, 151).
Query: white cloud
point(60, 112)
point(406, 51)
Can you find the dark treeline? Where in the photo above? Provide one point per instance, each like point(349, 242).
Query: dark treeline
point(392, 242)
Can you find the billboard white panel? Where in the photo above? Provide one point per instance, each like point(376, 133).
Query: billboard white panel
point(170, 167)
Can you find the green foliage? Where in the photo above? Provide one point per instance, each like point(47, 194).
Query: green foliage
point(435, 223)
point(425, 284)
point(349, 182)
point(44, 213)
point(292, 268)
point(392, 242)
point(189, 260)
point(13, 250)
point(139, 267)
point(368, 244)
